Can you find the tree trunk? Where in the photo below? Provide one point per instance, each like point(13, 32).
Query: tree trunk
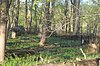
point(15, 17)
point(46, 24)
point(17, 12)
point(76, 4)
point(53, 8)
point(43, 36)
point(76, 25)
point(66, 14)
point(36, 22)
point(52, 15)
point(30, 23)
point(12, 18)
point(3, 27)
point(9, 22)
point(47, 14)
point(73, 6)
point(2, 41)
point(26, 12)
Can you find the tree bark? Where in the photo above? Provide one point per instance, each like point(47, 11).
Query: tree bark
point(3, 27)
point(26, 12)
point(47, 14)
point(76, 5)
point(66, 14)
point(76, 25)
point(2, 41)
point(17, 12)
point(46, 24)
point(43, 36)
point(36, 22)
point(30, 21)
point(52, 15)
point(15, 17)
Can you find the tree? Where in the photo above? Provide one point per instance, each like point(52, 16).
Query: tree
point(15, 17)
point(66, 15)
point(31, 12)
point(53, 8)
point(26, 12)
point(4, 8)
point(52, 14)
point(47, 14)
point(76, 5)
point(46, 24)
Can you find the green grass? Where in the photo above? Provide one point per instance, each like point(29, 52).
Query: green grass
point(62, 41)
point(24, 61)
point(57, 50)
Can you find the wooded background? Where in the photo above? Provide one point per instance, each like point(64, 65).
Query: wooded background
point(47, 18)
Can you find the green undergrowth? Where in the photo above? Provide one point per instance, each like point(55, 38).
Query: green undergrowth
point(25, 51)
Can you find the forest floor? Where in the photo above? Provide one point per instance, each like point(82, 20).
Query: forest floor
point(58, 51)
